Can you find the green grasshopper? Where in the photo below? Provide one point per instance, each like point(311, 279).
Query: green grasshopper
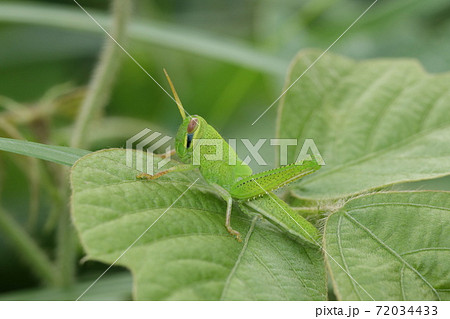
point(233, 179)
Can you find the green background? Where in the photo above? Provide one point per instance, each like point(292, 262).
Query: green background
point(228, 60)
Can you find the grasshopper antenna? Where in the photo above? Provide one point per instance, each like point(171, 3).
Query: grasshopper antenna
point(177, 99)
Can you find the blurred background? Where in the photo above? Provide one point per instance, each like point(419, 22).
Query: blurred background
point(227, 59)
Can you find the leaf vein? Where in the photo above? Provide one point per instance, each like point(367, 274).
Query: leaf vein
point(270, 273)
point(341, 253)
point(393, 252)
point(239, 258)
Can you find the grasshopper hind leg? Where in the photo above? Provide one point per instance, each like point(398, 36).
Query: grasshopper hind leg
point(228, 221)
point(227, 197)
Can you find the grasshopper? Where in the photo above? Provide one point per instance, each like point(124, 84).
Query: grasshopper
point(233, 179)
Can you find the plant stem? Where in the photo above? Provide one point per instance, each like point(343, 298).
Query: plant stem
point(66, 239)
point(97, 96)
point(104, 77)
point(28, 250)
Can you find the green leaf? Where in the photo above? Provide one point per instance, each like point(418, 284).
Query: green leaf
point(58, 154)
point(395, 245)
point(375, 122)
point(111, 287)
point(187, 254)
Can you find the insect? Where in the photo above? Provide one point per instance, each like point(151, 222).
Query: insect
point(196, 141)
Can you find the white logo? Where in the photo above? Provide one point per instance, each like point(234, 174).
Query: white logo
point(215, 151)
point(147, 141)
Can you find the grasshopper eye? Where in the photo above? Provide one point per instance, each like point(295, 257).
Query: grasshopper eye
point(193, 125)
point(191, 128)
point(189, 138)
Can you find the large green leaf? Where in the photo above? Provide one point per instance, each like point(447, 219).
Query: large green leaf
point(395, 245)
point(58, 154)
point(187, 253)
point(375, 122)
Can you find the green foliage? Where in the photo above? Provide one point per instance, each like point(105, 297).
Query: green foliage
point(379, 246)
point(187, 253)
point(57, 154)
point(376, 122)
point(149, 32)
point(228, 73)
point(112, 287)
point(395, 245)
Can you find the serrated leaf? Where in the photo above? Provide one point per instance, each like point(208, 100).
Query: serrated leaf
point(391, 246)
point(58, 154)
point(187, 254)
point(375, 122)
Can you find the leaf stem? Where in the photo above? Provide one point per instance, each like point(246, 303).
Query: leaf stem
point(103, 79)
point(28, 249)
point(66, 239)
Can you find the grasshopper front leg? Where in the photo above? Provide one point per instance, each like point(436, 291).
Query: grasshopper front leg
point(227, 197)
point(166, 154)
point(177, 168)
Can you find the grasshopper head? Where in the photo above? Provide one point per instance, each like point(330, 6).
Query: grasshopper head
point(192, 128)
